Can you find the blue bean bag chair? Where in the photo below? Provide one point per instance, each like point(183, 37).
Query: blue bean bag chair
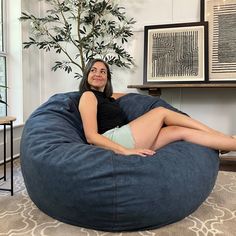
point(91, 187)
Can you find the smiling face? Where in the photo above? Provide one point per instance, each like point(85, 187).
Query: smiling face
point(97, 77)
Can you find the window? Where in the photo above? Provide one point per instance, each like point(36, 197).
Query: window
point(3, 81)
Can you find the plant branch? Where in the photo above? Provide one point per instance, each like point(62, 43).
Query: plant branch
point(79, 37)
point(65, 22)
point(65, 52)
point(101, 30)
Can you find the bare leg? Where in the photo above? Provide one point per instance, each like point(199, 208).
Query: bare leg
point(146, 128)
point(177, 119)
point(212, 140)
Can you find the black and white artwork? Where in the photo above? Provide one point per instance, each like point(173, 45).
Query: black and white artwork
point(221, 15)
point(175, 53)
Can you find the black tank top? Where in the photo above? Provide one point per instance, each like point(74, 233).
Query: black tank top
point(109, 113)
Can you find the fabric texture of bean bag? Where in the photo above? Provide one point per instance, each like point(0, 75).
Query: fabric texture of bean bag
point(91, 187)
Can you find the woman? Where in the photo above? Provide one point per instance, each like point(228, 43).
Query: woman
point(105, 125)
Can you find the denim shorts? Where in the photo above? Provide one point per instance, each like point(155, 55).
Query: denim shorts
point(121, 135)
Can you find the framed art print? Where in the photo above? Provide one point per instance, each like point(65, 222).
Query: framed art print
point(221, 15)
point(176, 53)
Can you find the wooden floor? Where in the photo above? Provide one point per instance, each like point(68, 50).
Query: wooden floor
point(228, 163)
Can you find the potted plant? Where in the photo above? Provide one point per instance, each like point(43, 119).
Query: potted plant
point(91, 28)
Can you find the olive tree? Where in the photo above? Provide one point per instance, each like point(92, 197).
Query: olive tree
point(91, 28)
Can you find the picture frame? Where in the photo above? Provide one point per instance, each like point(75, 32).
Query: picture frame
point(221, 17)
point(176, 53)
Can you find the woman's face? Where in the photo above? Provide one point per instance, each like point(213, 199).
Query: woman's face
point(97, 77)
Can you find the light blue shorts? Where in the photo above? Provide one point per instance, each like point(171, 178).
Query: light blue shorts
point(121, 135)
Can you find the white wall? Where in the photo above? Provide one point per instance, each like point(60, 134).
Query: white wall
point(32, 61)
point(215, 107)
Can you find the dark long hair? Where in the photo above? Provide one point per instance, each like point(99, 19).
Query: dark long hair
point(84, 85)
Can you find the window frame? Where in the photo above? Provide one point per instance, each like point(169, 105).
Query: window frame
point(3, 54)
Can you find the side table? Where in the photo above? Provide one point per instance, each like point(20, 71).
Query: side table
point(7, 121)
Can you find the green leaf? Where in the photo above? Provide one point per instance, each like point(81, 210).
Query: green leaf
point(94, 28)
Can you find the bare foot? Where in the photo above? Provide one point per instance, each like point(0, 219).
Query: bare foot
point(222, 152)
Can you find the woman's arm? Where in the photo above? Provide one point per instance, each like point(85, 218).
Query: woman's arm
point(88, 111)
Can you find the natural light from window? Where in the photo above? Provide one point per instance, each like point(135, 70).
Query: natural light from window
point(2, 62)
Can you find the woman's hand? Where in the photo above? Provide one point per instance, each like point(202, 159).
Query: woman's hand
point(139, 151)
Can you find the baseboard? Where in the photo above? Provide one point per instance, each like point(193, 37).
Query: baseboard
point(8, 159)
